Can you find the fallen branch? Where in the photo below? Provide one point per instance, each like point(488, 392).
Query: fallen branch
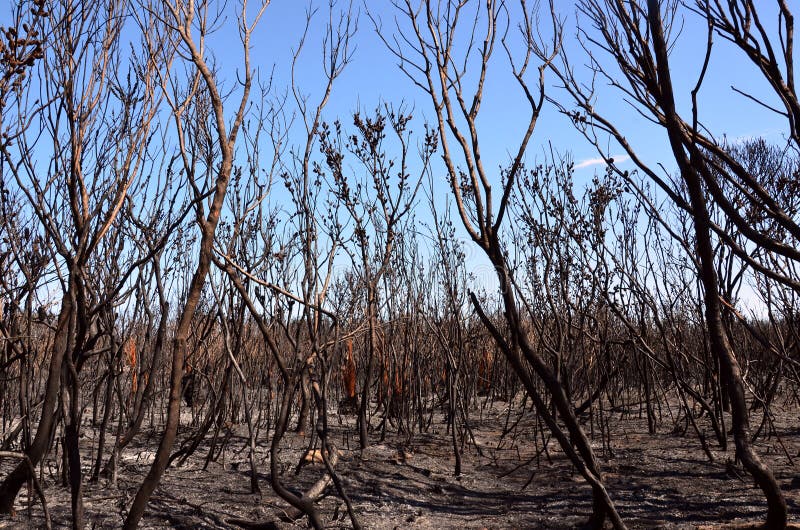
point(292, 514)
point(316, 490)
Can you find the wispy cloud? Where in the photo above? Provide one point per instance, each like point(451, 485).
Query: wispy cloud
point(600, 161)
point(767, 134)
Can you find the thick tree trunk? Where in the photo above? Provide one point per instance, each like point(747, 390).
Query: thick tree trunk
point(730, 371)
point(304, 414)
point(72, 447)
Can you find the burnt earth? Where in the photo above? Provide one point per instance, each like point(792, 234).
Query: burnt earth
point(664, 480)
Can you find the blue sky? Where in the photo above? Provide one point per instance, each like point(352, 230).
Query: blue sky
point(373, 77)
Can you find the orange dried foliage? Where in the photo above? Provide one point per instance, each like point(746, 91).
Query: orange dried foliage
point(349, 372)
point(398, 384)
point(130, 352)
point(485, 365)
point(385, 375)
point(399, 392)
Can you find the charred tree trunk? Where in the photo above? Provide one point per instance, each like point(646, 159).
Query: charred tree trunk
point(22, 472)
point(730, 371)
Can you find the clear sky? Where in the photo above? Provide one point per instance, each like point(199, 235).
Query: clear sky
point(373, 77)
